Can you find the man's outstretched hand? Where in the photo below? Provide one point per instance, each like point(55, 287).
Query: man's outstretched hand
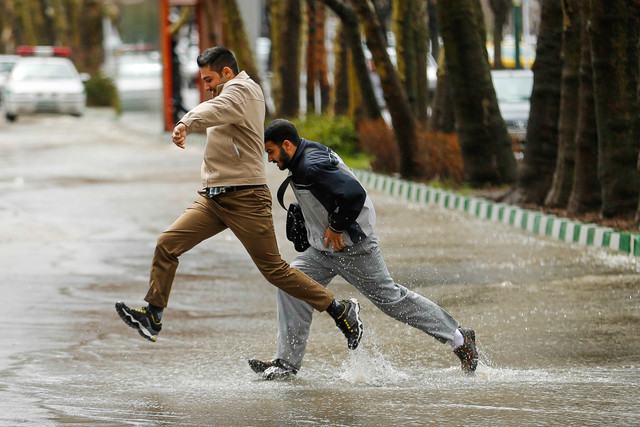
point(179, 135)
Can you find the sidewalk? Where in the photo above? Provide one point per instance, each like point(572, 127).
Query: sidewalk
point(538, 223)
point(558, 228)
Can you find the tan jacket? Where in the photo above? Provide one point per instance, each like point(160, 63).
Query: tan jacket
point(234, 122)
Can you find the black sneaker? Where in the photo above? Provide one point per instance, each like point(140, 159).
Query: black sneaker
point(140, 319)
point(467, 352)
point(276, 369)
point(349, 322)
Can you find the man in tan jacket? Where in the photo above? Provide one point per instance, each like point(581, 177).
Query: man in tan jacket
point(235, 196)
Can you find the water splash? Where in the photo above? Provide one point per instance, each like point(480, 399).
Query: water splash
point(371, 368)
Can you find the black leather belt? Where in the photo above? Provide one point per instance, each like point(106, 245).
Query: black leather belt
point(212, 192)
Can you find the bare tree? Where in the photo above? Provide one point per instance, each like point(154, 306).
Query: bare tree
point(442, 115)
point(316, 58)
point(63, 23)
point(238, 39)
point(585, 192)
point(434, 29)
point(341, 87)
point(404, 123)
point(287, 61)
point(351, 29)
point(210, 30)
point(412, 38)
point(558, 196)
point(536, 171)
point(614, 36)
point(500, 9)
point(482, 133)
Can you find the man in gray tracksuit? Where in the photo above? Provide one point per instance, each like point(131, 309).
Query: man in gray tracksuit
point(340, 218)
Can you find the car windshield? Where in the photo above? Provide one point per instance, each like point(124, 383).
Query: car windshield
point(139, 66)
point(42, 71)
point(139, 70)
point(5, 67)
point(513, 88)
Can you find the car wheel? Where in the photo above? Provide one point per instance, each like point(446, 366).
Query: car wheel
point(11, 117)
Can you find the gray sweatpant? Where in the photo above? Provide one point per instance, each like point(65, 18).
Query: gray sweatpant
point(362, 266)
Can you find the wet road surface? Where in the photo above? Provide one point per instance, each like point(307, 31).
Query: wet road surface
point(82, 202)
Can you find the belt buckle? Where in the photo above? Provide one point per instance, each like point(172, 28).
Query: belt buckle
point(215, 191)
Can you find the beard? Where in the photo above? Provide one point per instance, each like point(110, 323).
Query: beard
point(284, 160)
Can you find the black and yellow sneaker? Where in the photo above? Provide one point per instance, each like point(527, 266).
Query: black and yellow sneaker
point(140, 319)
point(349, 322)
point(276, 369)
point(467, 352)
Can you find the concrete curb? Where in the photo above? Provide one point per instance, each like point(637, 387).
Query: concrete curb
point(562, 229)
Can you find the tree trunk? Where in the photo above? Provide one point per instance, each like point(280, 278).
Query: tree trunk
point(614, 40)
point(434, 30)
point(411, 31)
point(585, 193)
point(211, 24)
point(61, 24)
point(238, 40)
point(276, 9)
point(316, 57)
point(27, 13)
point(404, 124)
point(77, 25)
point(406, 53)
point(500, 9)
point(558, 196)
point(421, 29)
point(311, 64)
point(342, 92)
point(442, 117)
point(289, 59)
point(536, 172)
point(7, 19)
point(486, 146)
point(321, 59)
point(90, 36)
point(350, 26)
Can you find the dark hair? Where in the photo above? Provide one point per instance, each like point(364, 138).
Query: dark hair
point(279, 130)
point(216, 58)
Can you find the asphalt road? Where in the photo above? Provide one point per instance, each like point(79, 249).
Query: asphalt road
point(82, 202)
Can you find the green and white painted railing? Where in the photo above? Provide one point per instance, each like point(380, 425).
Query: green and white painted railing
point(535, 222)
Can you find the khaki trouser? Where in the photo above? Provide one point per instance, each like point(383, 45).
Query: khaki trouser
point(248, 214)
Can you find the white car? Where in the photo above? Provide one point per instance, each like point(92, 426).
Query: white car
point(513, 90)
point(44, 85)
point(6, 64)
point(138, 77)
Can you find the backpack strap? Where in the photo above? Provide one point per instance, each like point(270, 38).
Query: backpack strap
point(282, 189)
point(283, 186)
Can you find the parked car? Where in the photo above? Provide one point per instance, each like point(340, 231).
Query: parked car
point(6, 64)
point(508, 52)
point(138, 77)
point(513, 90)
point(44, 85)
